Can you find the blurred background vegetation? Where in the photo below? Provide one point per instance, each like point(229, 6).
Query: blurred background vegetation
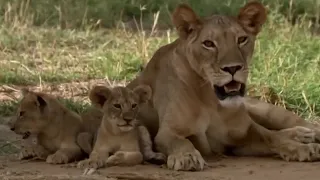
point(56, 43)
point(107, 13)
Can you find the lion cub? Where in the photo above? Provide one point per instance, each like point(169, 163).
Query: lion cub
point(54, 126)
point(120, 139)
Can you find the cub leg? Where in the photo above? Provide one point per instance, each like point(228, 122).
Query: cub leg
point(68, 152)
point(123, 158)
point(32, 151)
point(85, 141)
point(146, 147)
point(98, 156)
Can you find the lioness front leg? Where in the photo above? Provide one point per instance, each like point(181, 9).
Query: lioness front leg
point(67, 153)
point(33, 151)
point(181, 153)
point(124, 158)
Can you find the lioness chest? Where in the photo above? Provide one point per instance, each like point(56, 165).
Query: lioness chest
point(227, 126)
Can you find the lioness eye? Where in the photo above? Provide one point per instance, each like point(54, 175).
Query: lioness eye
point(208, 44)
point(117, 106)
point(242, 39)
point(134, 106)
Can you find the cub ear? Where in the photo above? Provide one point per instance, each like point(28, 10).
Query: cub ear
point(185, 20)
point(144, 92)
point(252, 16)
point(41, 103)
point(99, 95)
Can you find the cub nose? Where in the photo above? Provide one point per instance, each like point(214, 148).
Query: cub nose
point(127, 119)
point(231, 69)
point(12, 129)
point(128, 116)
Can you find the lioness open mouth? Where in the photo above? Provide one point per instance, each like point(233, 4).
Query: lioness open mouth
point(26, 135)
point(233, 88)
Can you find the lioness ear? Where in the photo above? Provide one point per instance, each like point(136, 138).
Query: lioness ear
point(144, 92)
point(99, 95)
point(252, 16)
point(185, 20)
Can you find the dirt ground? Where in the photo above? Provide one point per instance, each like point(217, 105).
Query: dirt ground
point(225, 169)
point(228, 168)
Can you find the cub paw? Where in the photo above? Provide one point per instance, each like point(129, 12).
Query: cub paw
point(116, 159)
point(90, 164)
point(186, 161)
point(26, 153)
point(300, 134)
point(157, 158)
point(57, 158)
point(301, 152)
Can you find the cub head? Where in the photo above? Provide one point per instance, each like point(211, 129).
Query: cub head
point(219, 48)
point(30, 117)
point(120, 105)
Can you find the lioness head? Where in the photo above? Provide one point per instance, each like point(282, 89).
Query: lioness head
point(219, 48)
point(30, 118)
point(120, 105)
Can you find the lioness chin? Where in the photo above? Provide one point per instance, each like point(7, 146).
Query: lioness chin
point(198, 105)
point(120, 134)
point(54, 126)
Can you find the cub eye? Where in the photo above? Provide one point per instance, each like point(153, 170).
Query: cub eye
point(134, 106)
point(21, 113)
point(242, 40)
point(118, 106)
point(208, 44)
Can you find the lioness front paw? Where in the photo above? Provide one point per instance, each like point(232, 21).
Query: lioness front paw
point(300, 134)
point(301, 152)
point(90, 164)
point(57, 158)
point(186, 161)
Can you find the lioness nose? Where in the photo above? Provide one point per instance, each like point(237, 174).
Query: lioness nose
point(231, 69)
point(12, 129)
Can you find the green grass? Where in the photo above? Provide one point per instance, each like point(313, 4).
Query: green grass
point(35, 50)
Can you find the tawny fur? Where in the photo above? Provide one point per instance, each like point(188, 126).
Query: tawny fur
point(211, 52)
point(121, 139)
point(54, 126)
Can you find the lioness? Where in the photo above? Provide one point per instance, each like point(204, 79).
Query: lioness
point(198, 105)
point(55, 127)
point(120, 133)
